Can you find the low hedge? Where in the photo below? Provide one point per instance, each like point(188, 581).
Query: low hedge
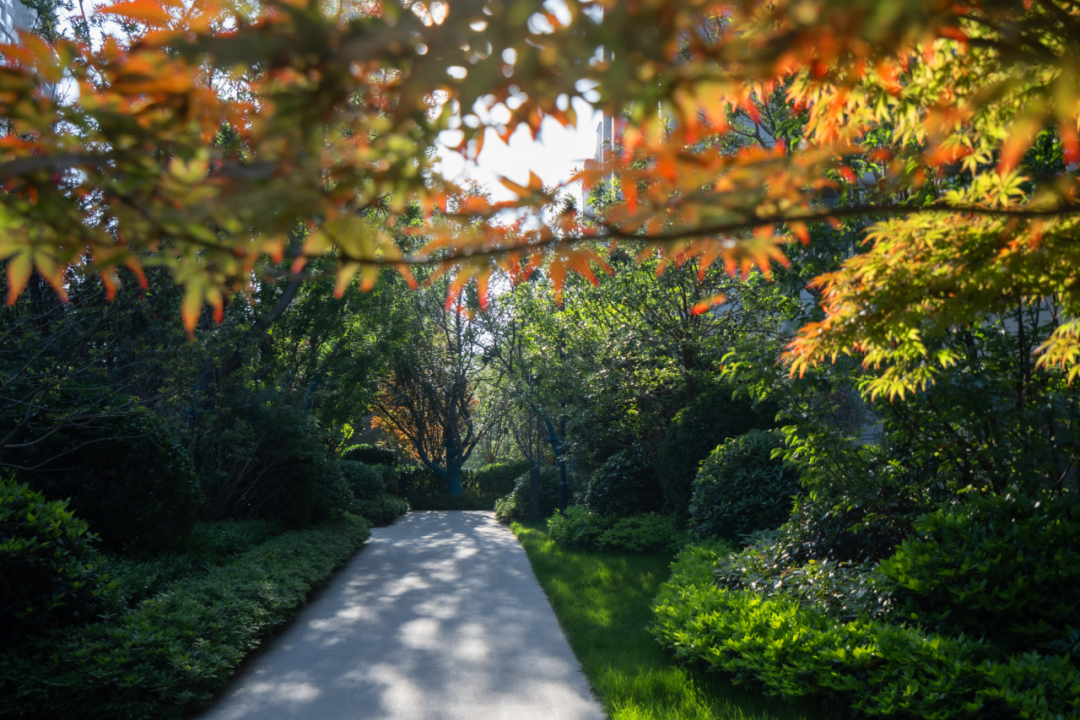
point(381, 511)
point(515, 506)
point(878, 669)
point(167, 657)
point(636, 534)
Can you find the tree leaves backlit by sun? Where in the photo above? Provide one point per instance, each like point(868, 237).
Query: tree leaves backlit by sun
point(215, 136)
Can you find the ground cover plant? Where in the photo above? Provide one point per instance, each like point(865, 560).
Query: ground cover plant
point(878, 668)
point(166, 654)
point(603, 602)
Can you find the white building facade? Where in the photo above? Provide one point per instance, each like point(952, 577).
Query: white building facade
point(14, 16)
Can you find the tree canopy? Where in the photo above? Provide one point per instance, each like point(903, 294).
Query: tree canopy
point(215, 136)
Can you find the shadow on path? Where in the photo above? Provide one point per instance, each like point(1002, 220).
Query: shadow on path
point(438, 617)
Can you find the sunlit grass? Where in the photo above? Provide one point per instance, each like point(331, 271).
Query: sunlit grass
point(603, 602)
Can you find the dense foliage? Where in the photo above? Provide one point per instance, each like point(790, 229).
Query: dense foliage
point(713, 417)
point(143, 663)
point(625, 485)
point(741, 488)
point(880, 669)
point(50, 571)
point(1006, 568)
point(578, 527)
point(515, 506)
point(130, 477)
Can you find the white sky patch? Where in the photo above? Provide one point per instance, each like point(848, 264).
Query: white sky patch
point(553, 156)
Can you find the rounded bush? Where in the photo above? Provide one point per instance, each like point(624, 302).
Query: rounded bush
point(740, 489)
point(713, 417)
point(371, 455)
point(625, 485)
point(382, 511)
point(49, 568)
point(367, 482)
point(495, 478)
point(1004, 567)
point(515, 506)
point(130, 478)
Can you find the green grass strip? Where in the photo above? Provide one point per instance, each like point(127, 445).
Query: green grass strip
point(604, 603)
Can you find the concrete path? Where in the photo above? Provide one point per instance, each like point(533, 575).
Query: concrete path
point(438, 617)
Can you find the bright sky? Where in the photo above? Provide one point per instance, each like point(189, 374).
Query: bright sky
point(553, 156)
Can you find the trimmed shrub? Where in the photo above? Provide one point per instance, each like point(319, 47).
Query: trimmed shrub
point(130, 479)
point(367, 482)
point(49, 570)
point(740, 489)
point(441, 501)
point(371, 455)
point(1004, 567)
point(625, 485)
point(636, 534)
point(167, 657)
point(515, 506)
point(415, 480)
point(713, 417)
point(497, 478)
point(878, 669)
point(382, 511)
point(578, 527)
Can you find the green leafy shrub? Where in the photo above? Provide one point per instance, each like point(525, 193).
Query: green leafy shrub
point(130, 478)
point(262, 457)
point(371, 455)
point(1005, 567)
point(49, 570)
point(740, 489)
point(417, 480)
point(515, 506)
point(367, 482)
point(625, 485)
point(381, 511)
point(578, 527)
point(167, 657)
point(497, 478)
point(843, 590)
point(713, 417)
point(211, 543)
point(636, 534)
point(878, 669)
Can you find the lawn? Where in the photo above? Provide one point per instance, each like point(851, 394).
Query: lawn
point(603, 602)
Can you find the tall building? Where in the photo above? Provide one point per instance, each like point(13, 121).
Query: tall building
point(14, 16)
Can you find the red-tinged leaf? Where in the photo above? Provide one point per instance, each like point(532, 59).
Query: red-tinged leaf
point(580, 263)
point(369, 275)
point(708, 256)
point(881, 155)
point(704, 305)
point(407, 275)
point(482, 287)
point(800, 231)
point(458, 284)
point(133, 265)
point(148, 11)
point(1070, 142)
point(947, 155)
point(53, 274)
point(848, 174)
point(558, 278)
point(108, 279)
point(18, 274)
point(535, 183)
point(519, 190)
point(190, 308)
point(345, 275)
point(298, 264)
point(630, 193)
point(1020, 139)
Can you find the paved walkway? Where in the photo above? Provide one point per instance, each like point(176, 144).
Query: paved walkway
point(438, 617)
